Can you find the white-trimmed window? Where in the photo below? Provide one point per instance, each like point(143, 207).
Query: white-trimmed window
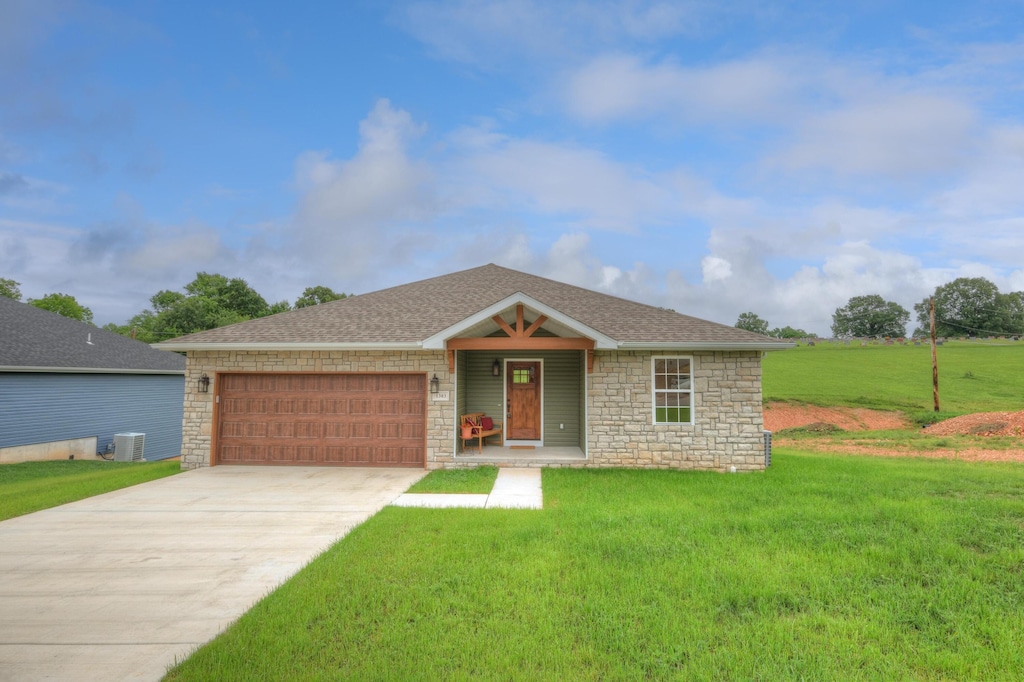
point(672, 382)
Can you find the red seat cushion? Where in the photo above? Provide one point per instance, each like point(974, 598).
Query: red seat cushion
point(486, 423)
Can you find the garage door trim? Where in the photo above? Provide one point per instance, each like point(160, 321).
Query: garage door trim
point(215, 438)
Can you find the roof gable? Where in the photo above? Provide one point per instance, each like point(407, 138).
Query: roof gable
point(32, 339)
point(426, 313)
point(481, 323)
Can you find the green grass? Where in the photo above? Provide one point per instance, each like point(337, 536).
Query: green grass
point(820, 568)
point(973, 377)
point(31, 486)
point(910, 439)
point(478, 480)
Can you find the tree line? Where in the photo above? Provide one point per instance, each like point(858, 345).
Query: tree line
point(207, 302)
point(967, 306)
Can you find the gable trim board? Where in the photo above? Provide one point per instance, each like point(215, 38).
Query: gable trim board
point(604, 396)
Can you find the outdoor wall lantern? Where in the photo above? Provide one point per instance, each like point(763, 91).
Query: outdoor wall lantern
point(496, 369)
point(435, 384)
point(204, 383)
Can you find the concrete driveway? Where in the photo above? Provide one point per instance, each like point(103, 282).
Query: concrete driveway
point(118, 586)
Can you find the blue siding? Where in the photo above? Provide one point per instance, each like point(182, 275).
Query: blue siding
point(39, 408)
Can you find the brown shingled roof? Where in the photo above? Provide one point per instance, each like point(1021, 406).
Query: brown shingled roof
point(410, 313)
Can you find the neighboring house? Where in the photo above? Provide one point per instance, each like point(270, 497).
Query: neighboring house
point(574, 377)
point(62, 380)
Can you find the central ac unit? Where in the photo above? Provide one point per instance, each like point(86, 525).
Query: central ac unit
point(128, 447)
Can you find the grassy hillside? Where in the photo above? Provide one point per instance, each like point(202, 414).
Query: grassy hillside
point(973, 377)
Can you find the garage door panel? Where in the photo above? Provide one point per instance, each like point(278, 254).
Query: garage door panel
point(333, 406)
point(244, 429)
point(335, 429)
point(344, 419)
point(296, 405)
point(412, 431)
point(412, 456)
point(357, 430)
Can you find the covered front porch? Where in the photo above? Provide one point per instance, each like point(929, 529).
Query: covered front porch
point(536, 399)
point(527, 374)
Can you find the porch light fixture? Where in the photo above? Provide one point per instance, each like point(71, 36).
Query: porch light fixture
point(435, 384)
point(496, 369)
point(204, 383)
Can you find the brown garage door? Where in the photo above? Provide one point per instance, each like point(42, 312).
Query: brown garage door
point(322, 419)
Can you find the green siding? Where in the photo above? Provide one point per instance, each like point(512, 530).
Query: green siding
point(561, 385)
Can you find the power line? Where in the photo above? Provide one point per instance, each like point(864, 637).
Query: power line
point(975, 329)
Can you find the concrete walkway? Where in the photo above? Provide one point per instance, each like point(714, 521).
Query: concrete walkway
point(513, 489)
point(118, 586)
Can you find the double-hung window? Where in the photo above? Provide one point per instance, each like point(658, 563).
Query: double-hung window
point(672, 382)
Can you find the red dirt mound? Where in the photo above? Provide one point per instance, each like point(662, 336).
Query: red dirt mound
point(981, 424)
point(778, 416)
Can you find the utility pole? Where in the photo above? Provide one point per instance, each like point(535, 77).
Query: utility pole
point(935, 362)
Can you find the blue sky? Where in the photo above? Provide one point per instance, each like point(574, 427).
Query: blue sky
point(710, 157)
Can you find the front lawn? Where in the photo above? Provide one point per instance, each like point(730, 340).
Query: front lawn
point(820, 568)
point(478, 480)
point(30, 486)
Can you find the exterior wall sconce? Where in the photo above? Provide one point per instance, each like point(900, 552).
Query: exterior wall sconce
point(496, 369)
point(435, 384)
point(204, 383)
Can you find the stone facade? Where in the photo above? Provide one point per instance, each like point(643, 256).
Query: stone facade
point(728, 424)
point(727, 429)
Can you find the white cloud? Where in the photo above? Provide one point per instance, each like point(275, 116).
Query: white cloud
point(817, 112)
point(715, 269)
point(503, 34)
point(369, 212)
point(903, 135)
point(573, 185)
point(622, 86)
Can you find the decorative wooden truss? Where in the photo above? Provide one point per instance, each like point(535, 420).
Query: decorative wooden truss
point(520, 338)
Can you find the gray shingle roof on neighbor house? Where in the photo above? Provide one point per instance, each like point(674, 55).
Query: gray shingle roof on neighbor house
point(411, 313)
point(32, 339)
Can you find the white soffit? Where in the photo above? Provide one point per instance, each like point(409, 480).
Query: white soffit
point(437, 341)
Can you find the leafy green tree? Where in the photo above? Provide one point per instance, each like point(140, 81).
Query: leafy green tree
point(230, 294)
point(279, 307)
point(63, 304)
point(317, 295)
point(166, 300)
point(789, 333)
point(10, 288)
point(870, 316)
point(210, 300)
point(1011, 311)
point(752, 323)
point(966, 306)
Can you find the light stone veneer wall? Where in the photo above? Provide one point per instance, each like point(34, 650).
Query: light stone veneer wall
point(198, 421)
point(728, 424)
point(728, 428)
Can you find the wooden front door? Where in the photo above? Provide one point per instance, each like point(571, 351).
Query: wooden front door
point(523, 401)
